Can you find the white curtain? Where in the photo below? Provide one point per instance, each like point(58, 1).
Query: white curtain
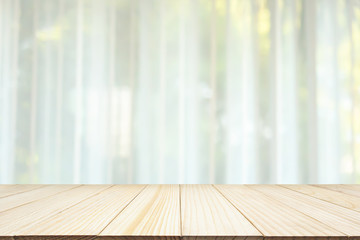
point(179, 91)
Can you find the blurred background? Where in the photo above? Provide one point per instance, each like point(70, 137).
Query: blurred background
point(179, 91)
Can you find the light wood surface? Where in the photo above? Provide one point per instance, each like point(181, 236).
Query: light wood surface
point(8, 190)
point(89, 216)
point(274, 218)
point(353, 190)
point(175, 212)
point(342, 219)
point(14, 220)
point(154, 212)
point(338, 198)
point(32, 195)
point(205, 212)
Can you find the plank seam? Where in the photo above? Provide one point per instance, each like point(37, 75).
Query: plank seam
point(98, 235)
point(346, 235)
point(218, 190)
point(59, 211)
point(40, 186)
point(320, 198)
point(334, 190)
point(39, 198)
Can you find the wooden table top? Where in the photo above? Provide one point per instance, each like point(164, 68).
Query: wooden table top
point(224, 212)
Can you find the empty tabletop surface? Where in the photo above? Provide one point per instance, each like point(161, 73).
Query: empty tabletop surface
point(224, 212)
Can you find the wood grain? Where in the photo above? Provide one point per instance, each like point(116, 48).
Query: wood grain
point(135, 237)
point(274, 218)
point(205, 212)
point(88, 217)
point(54, 237)
point(23, 198)
point(222, 238)
point(176, 212)
point(353, 190)
point(342, 219)
point(154, 212)
point(335, 197)
point(8, 190)
point(16, 219)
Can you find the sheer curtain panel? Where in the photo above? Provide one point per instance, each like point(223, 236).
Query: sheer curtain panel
point(179, 91)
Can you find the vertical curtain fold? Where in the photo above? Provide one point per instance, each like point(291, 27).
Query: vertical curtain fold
point(203, 91)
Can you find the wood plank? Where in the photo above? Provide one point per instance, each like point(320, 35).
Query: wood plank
point(205, 212)
point(355, 187)
point(53, 238)
point(6, 238)
point(222, 238)
point(335, 197)
point(134, 237)
point(14, 220)
point(174, 212)
point(11, 189)
point(22, 198)
point(353, 190)
point(89, 217)
point(342, 219)
point(274, 218)
point(154, 212)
